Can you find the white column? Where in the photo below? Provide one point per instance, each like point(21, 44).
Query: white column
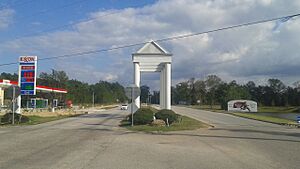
point(163, 89)
point(19, 98)
point(137, 79)
point(1, 96)
point(165, 92)
point(160, 90)
point(168, 86)
point(18, 110)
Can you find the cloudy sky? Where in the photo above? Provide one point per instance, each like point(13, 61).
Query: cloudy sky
point(52, 28)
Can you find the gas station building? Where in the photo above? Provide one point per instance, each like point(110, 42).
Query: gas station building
point(5, 84)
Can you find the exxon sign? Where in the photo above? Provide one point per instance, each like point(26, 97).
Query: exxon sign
point(27, 74)
point(28, 59)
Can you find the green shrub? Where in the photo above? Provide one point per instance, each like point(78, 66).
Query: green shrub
point(297, 110)
point(142, 116)
point(7, 118)
point(224, 105)
point(167, 114)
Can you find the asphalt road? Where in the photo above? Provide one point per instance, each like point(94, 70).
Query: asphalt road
point(95, 141)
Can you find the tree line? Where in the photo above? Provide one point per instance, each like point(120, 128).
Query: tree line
point(210, 91)
point(214, 91)
point(78, 92)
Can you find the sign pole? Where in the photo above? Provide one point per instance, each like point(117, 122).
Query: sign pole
point(132, 93)
point(14, 103)
point(93, 99)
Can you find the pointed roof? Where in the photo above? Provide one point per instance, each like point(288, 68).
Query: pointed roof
point(151, 57)
point(152, 48)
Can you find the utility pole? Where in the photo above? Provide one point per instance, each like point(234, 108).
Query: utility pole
point(14, 105)
point(149, 97)
point(93, 99)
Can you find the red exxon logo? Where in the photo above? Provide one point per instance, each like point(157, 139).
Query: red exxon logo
point(27, 59)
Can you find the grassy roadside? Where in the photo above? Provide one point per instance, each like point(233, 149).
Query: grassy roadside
point(265, 118)
point(261, 109)
point(214, 108)
point(267, 109)
point(38, 119)
point(110, 107)
point(34, 119)
point(184, 123)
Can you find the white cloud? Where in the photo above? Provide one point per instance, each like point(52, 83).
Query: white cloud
point(87, 73)
point(253, 52)
point(6, 17)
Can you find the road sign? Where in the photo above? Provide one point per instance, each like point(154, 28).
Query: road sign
point(27, 74)
point(132, 107)
point(14, 92)
point(132, 92)
point(10, 91)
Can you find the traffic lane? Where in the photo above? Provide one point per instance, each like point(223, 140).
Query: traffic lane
point(90, 143)
point(221, 119)
point(93, 115)
point(228, 147)
point(203, 148)
point(279, 143)
point(226, 125)
point(59, 144)
point(235, 127)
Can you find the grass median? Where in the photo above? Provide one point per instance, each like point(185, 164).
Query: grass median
point(213, 108)
point(279, 109)
point(38, 119)
point(184, 123)
point(261, 109)
point(265, 118)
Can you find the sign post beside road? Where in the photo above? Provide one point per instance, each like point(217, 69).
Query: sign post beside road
point(132, 92)
point(14, 92)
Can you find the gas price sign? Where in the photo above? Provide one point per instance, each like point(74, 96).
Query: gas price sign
point(27, 74)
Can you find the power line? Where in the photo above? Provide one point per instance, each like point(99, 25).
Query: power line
point(162, 40)
point(81, 53)
point(229, 27)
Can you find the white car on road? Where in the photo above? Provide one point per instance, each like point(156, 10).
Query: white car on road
point(124, 107)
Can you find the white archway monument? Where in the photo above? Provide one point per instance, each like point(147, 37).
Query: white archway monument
point(153, 58)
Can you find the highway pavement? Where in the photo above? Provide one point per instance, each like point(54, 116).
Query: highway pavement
point(96, 141)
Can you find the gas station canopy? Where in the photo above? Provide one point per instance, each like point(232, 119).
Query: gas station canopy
point(6, 83)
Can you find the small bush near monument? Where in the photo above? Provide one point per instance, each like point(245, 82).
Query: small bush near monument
point(167, 114)
point(7, 118)
point(158, 122)
point(142, 116)
point(145, 116)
